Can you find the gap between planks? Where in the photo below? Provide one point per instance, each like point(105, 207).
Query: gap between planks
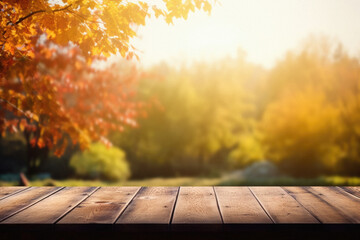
point(11, 193)
point(263, 208)
point(127, 205)
point(281, 206)
point(23, 206)
point(173, 210)
point(218, 206)
point(50, 209)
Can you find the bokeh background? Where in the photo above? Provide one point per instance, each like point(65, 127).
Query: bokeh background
point(256, 93)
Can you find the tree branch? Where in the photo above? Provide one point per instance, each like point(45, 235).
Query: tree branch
point(18, 109)
point(41, 11)
point(30, 15)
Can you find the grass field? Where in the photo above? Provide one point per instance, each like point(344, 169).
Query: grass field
point(195, 181)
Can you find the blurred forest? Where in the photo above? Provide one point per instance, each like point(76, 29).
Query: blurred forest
point(303, 115)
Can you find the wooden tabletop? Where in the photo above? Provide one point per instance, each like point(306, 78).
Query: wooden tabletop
point(177, 208)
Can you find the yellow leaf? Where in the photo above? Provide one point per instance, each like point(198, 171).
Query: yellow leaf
point(35, 117)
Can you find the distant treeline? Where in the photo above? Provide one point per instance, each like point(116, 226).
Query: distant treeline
point(303, 115)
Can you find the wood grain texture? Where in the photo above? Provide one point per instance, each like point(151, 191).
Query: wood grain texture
point(102, 207)
point(341, 200)
point(196, 208)
point(151, 205)
point(353, 190)
point(238, 205)
point(8, 191)
point(186, 209)
point(281, 207)
point(319, 208)
point(49, 210)
point(17, 202)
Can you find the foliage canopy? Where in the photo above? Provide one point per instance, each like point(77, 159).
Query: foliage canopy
point(48, 87)
point(97, 27)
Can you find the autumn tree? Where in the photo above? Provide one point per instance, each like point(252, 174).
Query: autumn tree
point(301, 131)
point(49, 88)
point(311, 121)
point(97, 27)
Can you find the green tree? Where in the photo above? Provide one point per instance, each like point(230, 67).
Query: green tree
point(204, 109)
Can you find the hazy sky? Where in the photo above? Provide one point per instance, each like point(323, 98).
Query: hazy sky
point(265, 29)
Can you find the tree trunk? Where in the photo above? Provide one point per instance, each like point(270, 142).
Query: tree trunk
point(23, 180)
point(32, 154)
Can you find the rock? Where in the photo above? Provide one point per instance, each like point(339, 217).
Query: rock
point(234, 175)
point(263, 169)
point(257, 171)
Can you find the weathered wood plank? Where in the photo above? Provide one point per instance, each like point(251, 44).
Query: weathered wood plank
point(49, 210)
point(238, 205)
point(102, 207)
point(16, 203)
point(8, 191)
point(151, 206)
point(172, 208)
point(281, 207)
point(196, 206)
point(353, 190)
point(342, 201)
point(322, 210)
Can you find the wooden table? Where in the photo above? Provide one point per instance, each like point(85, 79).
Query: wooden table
point(205, 210)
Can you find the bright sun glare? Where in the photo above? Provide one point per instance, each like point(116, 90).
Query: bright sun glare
point(264, 29)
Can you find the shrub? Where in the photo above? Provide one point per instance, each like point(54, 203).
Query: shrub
point(100, 162)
